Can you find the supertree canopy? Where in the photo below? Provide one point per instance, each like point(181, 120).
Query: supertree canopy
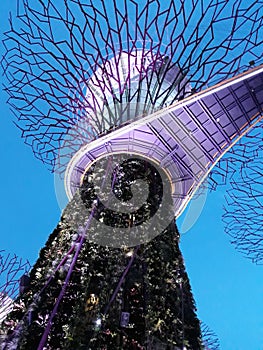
point(241, 173)
point(97, 64)
point(78, 71)
point(13, 278)
point(210, 340)
point(133, 103)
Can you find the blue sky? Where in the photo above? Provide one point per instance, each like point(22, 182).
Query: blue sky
point(228, 288)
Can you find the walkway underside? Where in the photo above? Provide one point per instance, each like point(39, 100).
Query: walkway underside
point(187, 138)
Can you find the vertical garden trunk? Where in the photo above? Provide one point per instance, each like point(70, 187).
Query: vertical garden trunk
point(116, 298)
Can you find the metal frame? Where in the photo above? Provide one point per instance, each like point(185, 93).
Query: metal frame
point(54, 50)
point(187, 139)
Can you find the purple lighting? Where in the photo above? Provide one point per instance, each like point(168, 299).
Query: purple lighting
point(187, 138)
point(122, 98)
point(55, 83)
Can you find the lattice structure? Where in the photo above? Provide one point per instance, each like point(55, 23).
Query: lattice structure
point(241, 170)
point(210, 339)
point(81, 73)
point(56, 54)
point(12, 268)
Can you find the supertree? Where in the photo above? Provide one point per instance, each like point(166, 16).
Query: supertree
point(117, 96)
point(13, 279)
point(210, 340)
point(242, 173)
